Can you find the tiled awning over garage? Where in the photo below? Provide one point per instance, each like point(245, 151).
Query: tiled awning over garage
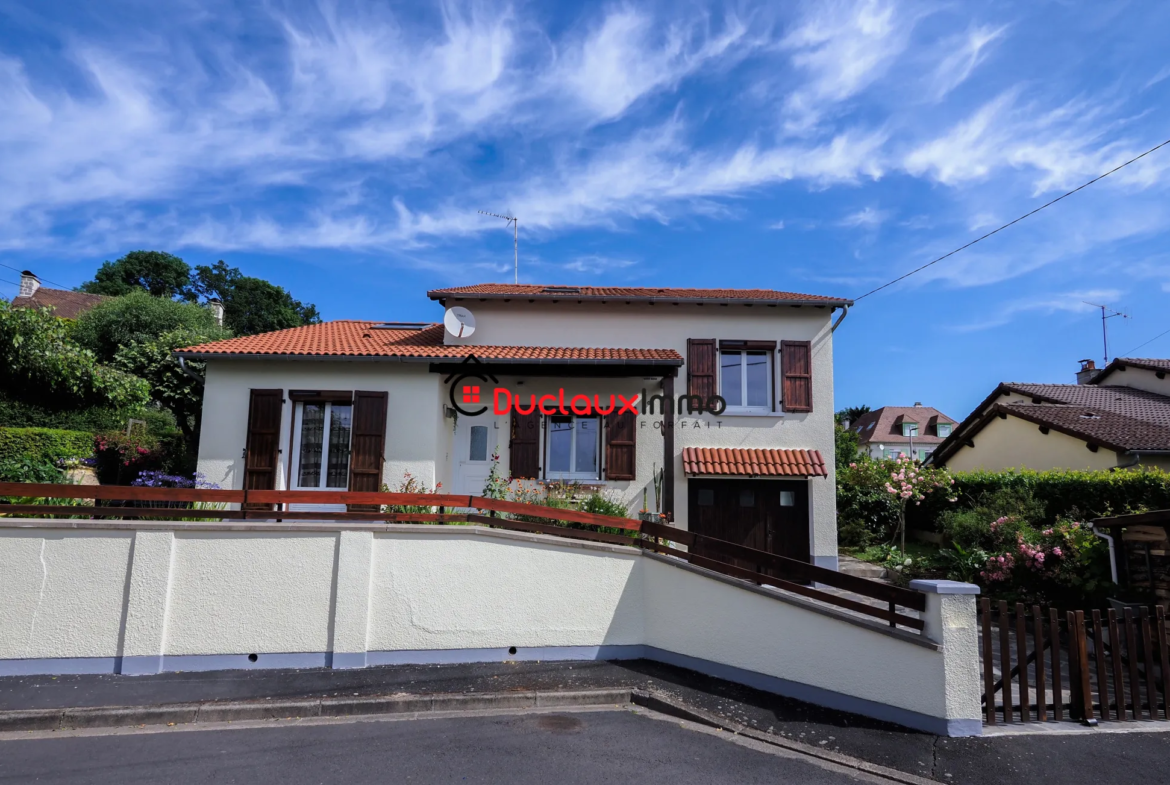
point(743, 462)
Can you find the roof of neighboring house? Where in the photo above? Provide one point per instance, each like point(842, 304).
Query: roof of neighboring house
point(347, 338)
point(743, 462)
point(499, 291)
point(1121, 363)
point(1120, 418)
point(65, 304)
point(885, 424)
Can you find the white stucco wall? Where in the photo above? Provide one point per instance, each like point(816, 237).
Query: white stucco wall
point(196, 596)
point(1140, 379)
point(417, 437)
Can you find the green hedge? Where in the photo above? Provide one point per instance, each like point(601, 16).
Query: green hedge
point(43, 445)
point(15, 413)
point(1063, 493)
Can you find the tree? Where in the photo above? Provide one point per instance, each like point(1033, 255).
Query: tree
point(251, 305)
point(38, 359)
point(848, 443)
point(138, 318)
point(170, 387)
point(852, 414)
point(155, 272)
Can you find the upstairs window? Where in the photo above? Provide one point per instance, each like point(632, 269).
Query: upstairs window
point(944, 429)
point(745, 380)
point(909, 429)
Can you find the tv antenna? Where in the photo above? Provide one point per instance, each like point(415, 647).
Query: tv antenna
point(515, 237)
point(1106, 313)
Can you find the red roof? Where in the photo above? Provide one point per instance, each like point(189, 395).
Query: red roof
point(743, 462)
point(368, 339)
point(631, 293)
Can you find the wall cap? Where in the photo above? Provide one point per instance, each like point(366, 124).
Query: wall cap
point(944, 587)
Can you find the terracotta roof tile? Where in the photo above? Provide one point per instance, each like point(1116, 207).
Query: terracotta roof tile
point(65, 304)
point(367, 339)
point(744, 462)
point(640, 293)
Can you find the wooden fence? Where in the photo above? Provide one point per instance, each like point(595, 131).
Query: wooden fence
point(1099, 666)
point(871, 598)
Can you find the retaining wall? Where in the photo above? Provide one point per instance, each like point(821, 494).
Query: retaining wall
point(136, 597)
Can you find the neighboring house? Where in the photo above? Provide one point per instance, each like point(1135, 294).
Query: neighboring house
point(65, 304)
point(894, 431)
point(354, 404)
point(1116, 417)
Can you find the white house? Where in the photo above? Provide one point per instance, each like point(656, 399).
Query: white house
point(895, 431)
point(744, 441)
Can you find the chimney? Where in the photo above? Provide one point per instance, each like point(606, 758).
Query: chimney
point(29, 284)
point(216, 308)
point(1088, 372)
point(918, 403)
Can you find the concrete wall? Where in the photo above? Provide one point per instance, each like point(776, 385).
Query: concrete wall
point(145, 598)
point(1016, 443)
point(1140, 379)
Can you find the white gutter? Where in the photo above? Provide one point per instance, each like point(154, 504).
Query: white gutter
point(1112, 552)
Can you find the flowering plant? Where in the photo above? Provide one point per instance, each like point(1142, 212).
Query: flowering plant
point(1065, 563)
point(410, 484)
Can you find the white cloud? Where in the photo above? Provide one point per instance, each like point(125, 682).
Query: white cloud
point(867, 218)
point(776, 225)
point(963, 54)
point(1064, 302)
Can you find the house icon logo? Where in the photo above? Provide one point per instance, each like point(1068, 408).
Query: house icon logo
point(467, 387)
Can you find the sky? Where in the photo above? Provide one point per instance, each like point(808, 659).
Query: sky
point(342, 150)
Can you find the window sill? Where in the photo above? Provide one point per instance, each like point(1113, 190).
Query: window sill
point(741, 413)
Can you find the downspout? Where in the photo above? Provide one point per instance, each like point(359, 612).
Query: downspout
point(1112, 553)
point(1137, 458)
point(189, 372)
point(841, 318)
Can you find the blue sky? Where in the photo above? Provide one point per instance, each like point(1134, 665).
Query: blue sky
point(341, 149)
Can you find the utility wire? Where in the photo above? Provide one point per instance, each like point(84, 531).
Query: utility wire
point(46, 280)
point(1012, 223)
point(1127, 352)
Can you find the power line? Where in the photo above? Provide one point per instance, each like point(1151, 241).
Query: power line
point(1012, 223)
point(1127, 352)
point(46, 280)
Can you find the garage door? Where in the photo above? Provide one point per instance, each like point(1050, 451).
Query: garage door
point(768, 515)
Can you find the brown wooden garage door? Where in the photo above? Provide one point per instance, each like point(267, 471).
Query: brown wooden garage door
point(768, 515)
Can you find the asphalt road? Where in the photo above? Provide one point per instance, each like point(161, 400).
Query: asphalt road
point(573, 747)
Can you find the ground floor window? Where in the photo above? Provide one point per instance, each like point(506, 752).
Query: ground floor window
point(573, 447)
point(321, 433)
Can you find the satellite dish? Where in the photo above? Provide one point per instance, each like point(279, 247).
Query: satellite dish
point(459, 322)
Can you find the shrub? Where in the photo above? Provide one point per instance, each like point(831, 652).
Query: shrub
point(410, 484)
point(1058, 494)
point(873, 496)
point(121, 458)
point(44, 445)
point(136, 318)
point(607, 502)
point(24, 469)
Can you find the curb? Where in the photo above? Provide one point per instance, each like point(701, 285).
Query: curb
point(235, 711)
point(663, 704)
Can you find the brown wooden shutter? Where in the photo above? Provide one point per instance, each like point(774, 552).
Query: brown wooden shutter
point(367, 444)
point(262, 448)
point(524, 446)
point(701, 367)
point(621, 446)
point(796, 375)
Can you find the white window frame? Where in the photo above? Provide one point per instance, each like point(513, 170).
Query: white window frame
point(906, 425)
point(575, 431)
point(738, 408)
point(938, 429)
point(297, 425)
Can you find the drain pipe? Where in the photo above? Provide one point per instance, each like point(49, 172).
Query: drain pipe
point(1112, 552)
point(841, 318)
point(1137, 458)
point(189, 372)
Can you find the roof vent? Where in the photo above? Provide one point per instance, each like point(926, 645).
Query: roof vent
point(1090, 416)
point(401, 326)
point(561, 290)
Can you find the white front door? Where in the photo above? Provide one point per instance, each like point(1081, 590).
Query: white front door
point(475, 439)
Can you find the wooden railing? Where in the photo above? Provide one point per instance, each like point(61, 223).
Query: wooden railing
point(115, 502)
point(1092, 667)
point(788, 574)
